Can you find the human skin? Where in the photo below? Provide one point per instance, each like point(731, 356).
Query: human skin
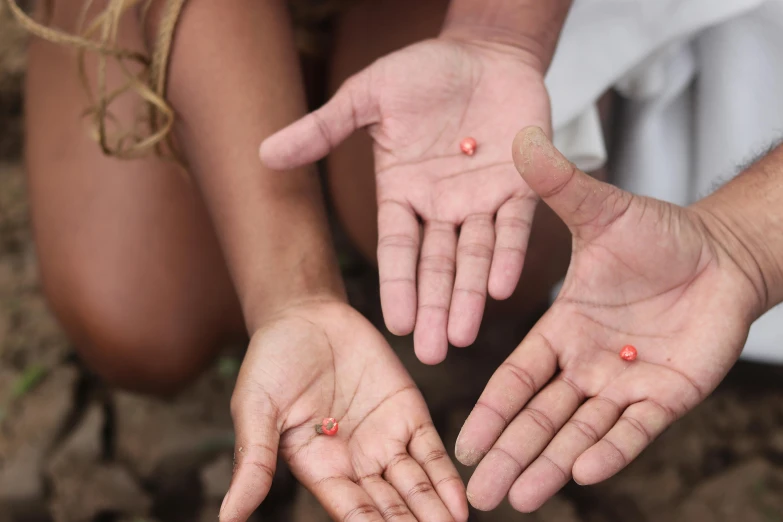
point(681, 284)
point(174, 223)
point(484, 76)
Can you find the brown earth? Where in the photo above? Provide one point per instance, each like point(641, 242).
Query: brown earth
point(72, 450)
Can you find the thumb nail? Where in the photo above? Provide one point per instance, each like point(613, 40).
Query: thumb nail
point(531, 141)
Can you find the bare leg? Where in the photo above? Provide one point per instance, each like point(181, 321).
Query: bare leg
point(128, 256)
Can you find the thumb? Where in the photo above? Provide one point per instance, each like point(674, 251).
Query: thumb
point(586, 205)
point(255, 456)
point(312, 137)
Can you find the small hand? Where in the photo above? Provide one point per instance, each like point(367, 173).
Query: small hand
point(418, 105)
point(643, 273)
point(386, 459)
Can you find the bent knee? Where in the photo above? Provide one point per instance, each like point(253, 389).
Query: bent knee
point(134, 334)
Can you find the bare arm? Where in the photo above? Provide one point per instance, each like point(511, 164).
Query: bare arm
point(747, 219)
point(532, 25)
point(234, 79)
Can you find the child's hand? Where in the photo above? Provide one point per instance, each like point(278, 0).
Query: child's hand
point(643, 273)
point(418, 105)
point(386, 459)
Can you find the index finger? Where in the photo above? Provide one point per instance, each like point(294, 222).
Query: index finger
point(398, 251)
point(257, 440)
point(512, 385)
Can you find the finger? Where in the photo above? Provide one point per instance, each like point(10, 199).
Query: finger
point(398, 249)
point(512, 228)
point(585, 204)
point(512, 385)
point(413, 485)
point(474, 256)
point(524, 439)
point(315, 135)
point(389, 502)
point(427, 449)
point(257, 440)
point(552, 469)
point(343, 499)
point(639, 425)
point(436, 281)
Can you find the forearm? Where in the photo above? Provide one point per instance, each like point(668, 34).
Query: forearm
point(532, 25)
point(747, 218)
point(234, 79)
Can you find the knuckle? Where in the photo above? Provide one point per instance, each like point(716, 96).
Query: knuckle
point(483, 220)
point(586, 429)
point(508, 457)
point(361, 512)
point(437, 264)
point(541, 419)
point(476, 250)
point(616, 449)
point(521, 375)
point(397, 459)
point(565, 474)
point(265, 469)
point(486, 405)
point(513, 224)
point(638, 427)
point(395, 511)
point(446, 480)
point(397, 241)
point(422, 488)
point(434, 456)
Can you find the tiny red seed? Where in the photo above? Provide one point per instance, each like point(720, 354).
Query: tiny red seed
point(468, 146)
point(329, 426)
point(628, 353)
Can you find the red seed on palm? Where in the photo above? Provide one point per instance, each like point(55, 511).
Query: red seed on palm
point(628, 353)
point(468, 146)
point(328, 426)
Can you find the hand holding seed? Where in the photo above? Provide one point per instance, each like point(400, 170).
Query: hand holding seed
point(304, 371)
point(647, 281)
point(441, 159)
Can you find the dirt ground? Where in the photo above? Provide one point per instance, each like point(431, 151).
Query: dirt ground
point(72, 450)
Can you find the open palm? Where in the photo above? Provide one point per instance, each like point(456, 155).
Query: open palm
point(418, 104)
point(644, 273)
point(386, 460)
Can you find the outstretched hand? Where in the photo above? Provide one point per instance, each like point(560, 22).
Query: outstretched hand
point(386, 459)
point(418, 104)
point(643, 273)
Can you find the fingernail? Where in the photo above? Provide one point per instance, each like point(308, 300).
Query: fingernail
point(225, 501)
point(466, 456)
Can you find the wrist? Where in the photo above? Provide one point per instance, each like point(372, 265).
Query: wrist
point(737, 239)
point(294, 305)
point(314, 281)
point(529, 27)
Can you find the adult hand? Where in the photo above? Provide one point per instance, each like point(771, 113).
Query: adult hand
point(643, 273)
point(418, 104)
point(386, 459)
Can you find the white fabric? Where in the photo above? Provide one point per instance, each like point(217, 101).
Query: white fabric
point(704, 86)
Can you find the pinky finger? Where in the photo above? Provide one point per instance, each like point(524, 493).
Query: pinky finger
point(512, 230)
point(639, 425)
point(427, 449)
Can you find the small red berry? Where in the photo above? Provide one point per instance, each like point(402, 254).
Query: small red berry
point(468, 146)
point(628, 353)
point(328, 426)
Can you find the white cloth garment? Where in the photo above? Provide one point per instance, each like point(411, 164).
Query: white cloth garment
point(704, 86)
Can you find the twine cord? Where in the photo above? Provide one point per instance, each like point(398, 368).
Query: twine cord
point(151, 132)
